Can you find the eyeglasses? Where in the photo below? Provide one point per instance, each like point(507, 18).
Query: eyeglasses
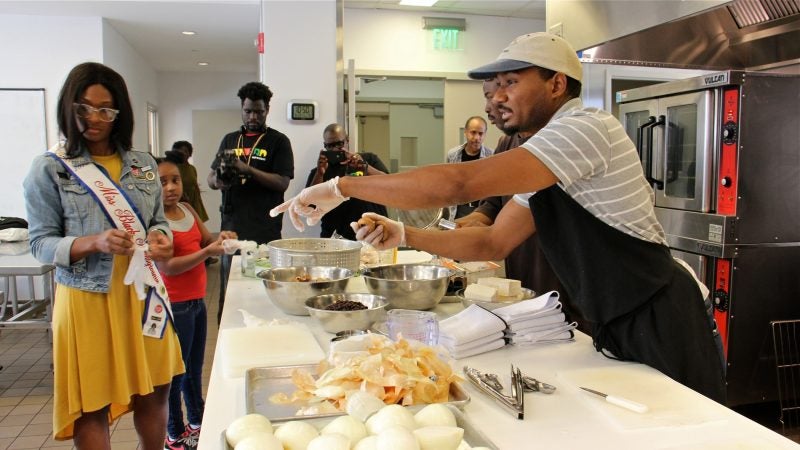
point(85, 111)
point(334, 144)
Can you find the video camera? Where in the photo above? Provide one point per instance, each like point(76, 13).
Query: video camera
point(226, 172)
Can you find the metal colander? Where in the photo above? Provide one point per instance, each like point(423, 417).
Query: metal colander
point(315, 252)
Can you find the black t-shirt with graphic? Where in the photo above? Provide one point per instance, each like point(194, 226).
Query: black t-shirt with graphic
point(246, 204)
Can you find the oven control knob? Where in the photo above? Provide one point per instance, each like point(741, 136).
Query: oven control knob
point(729, 132)
point(721, 300)
point(725, 182)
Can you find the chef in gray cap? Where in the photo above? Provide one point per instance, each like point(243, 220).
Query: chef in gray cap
point(580, 186)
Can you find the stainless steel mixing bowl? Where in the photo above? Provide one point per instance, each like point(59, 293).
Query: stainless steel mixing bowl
point(336, 321)
point(409, 286)
point(289, 294)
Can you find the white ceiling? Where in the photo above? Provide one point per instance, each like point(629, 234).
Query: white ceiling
point(226, 29)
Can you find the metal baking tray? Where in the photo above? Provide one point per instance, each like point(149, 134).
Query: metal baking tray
point(263, 382)
point(472, 436)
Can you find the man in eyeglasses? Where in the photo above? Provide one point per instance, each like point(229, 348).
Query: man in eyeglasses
point(336, 160)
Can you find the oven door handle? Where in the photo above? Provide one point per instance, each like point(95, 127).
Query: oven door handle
point(659, 184)
point(639, 134)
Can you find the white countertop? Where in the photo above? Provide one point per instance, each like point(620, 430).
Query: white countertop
point(678, 418)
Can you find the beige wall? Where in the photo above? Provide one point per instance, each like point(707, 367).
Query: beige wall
point(463, 99)
point(411, 120)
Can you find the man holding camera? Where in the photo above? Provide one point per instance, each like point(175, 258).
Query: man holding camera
point(252, 168)
point(336, 160)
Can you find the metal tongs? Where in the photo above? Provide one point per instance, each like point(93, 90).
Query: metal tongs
point(489, 384)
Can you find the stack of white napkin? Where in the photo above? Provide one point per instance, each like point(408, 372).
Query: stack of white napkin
point(536, 321)
point(471, 332)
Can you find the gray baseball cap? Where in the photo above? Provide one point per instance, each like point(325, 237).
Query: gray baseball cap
point(534, 49)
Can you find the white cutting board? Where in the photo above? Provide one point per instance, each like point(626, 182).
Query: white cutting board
point(267, 346)
point(670, 403)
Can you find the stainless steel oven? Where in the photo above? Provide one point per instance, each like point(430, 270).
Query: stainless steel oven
point(722, 153)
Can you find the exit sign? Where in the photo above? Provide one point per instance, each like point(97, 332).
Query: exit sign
point(445, 39)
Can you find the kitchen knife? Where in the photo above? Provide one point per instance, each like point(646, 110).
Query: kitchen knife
point(619, 401)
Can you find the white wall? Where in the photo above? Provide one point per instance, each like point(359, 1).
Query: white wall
point(139, 76)
point(42, 59)
point(180, 93)
point(387, 40)
point(300, 56)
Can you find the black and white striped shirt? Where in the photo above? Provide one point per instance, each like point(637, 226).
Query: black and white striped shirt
point(597, 165)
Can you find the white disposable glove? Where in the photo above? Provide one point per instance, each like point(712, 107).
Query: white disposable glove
point(387, 234)
point(324, 197)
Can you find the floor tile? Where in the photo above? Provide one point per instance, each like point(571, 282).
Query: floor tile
point(11, 431)
point(18, 419)
point(37, 429)
point(28, 442)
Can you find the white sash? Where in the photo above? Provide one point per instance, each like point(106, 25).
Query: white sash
point(121, 212)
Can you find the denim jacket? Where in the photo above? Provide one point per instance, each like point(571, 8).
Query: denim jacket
point(60, 210)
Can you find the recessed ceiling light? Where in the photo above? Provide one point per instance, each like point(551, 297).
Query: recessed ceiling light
point(188, 33)
point(202, 63)
point(417, 2)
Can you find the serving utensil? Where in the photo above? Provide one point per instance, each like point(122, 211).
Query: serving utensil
point(514, 402)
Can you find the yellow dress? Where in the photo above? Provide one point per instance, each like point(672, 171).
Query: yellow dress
point(100, 355)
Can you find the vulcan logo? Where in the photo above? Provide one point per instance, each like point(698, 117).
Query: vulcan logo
point(714, 79)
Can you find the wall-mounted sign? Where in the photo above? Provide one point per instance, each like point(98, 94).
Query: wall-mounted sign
point(445, 39)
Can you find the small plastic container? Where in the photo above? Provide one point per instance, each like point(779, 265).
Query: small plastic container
point(422, 326)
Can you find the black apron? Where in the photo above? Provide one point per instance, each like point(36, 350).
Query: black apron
point(645, 306)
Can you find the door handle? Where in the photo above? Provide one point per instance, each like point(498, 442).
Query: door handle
point(659, 184)
point(650, 122)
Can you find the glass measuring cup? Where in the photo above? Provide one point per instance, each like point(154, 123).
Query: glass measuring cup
point(421, 326)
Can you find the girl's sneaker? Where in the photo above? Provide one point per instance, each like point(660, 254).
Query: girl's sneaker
point(185, 441)
point(194, 431)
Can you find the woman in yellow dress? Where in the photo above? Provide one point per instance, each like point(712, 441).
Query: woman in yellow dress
point(105, 365)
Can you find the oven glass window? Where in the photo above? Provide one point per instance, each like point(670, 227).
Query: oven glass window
point(633, 122)
point(681, 154)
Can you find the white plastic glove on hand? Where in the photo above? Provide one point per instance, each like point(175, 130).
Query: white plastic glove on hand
point(324, 197)
point(387, 234)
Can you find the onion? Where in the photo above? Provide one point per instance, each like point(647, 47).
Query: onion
point(368, 443)
point(259, 440)
point(348, 426)
point(331, 441)
point(439, 438)
point(396, 438)
point(463, 446)
point(246, 425)
point(362, 404)
point(296, 435)
point(391, 415)
point(435, 414)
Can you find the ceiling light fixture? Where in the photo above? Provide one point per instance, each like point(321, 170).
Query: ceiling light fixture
point(427, 3)
point(202, 63)
point(188, 33)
